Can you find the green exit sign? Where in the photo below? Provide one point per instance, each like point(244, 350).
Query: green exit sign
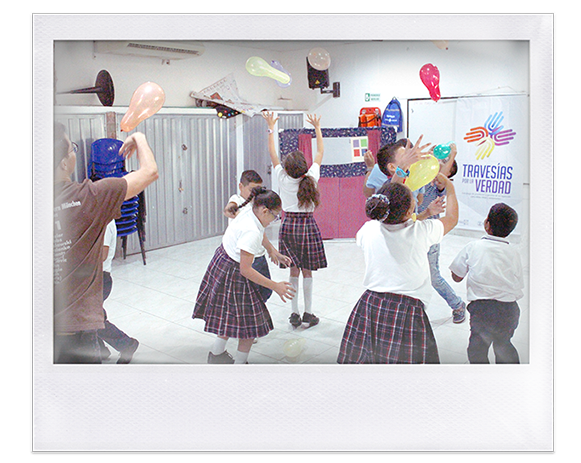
point(372, 97)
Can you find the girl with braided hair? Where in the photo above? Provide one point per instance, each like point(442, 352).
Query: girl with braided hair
point(229, 299)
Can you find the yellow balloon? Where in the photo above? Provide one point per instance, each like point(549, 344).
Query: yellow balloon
point(293, 347)
point(422, 172)
point(260, 68)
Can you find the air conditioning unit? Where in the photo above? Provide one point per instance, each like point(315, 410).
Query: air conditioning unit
point(162, 49)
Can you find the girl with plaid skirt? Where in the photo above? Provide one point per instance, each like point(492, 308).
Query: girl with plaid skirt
point(389, 324)
point(229, 299)
point(299, 236)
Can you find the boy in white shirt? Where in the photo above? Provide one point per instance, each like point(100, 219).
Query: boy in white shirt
point(250, 179)
point(494, 283)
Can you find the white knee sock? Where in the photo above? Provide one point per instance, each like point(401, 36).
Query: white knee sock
point(308, 294)
point(295, 300)
point(219, 346)
point(241, 357)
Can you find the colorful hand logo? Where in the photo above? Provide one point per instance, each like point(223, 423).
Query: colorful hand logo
point(489, 136)
point(485, 148)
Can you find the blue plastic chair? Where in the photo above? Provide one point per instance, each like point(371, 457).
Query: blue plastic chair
point(105, 161)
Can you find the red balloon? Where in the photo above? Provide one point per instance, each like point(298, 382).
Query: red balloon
point(431, 79)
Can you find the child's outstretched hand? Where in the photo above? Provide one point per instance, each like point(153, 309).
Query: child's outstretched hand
point(285, 290)
point(314, 120)
point(270, 119)
point(413, 155)
point(369, 160)
point(437, 206)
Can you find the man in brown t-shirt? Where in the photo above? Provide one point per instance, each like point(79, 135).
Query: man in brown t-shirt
point(81, 214)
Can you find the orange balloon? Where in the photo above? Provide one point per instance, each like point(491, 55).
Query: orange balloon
point(145, 102)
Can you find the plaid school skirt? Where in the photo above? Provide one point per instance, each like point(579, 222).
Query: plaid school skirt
point(230, 304)
point(300, 239)
point(388, 328)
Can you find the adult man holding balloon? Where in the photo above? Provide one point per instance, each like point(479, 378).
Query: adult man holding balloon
point(81, 214)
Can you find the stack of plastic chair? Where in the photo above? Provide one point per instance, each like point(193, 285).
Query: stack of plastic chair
point(106, 162)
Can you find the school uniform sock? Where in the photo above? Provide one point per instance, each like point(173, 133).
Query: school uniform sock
point(295, 301)
point(241, 357)
point(219, 346)
point(308, 294)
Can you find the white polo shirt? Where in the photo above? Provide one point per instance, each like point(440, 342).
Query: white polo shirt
point(396, 256)
point(493, 267)
point(111, 241)
point(289, 187)
point(244, 233)
point(235, 198)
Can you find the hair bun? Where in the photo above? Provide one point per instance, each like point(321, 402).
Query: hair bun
point(377, 207)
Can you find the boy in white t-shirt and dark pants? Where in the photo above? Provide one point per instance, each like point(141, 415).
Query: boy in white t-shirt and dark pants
point(494, 283)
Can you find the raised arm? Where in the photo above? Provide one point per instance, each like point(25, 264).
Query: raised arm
point(271, 122)
point(316, 123)
point(147, 172)
point(451, 218)
point(447, 166)
point(411, 156)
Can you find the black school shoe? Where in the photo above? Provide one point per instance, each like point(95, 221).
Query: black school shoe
point(126, 354)
point(224, 358)
point(295, 320)
point(310, 318)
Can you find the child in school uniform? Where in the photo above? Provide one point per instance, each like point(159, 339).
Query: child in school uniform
point(389, 324)
point(299, 235)
point(494, 282)
point(250, 179)
point(435, 191)
point(229, 300)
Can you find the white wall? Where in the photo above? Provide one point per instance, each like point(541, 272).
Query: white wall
point(388, 68)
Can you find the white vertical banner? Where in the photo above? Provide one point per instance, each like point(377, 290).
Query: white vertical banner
point(492, 138)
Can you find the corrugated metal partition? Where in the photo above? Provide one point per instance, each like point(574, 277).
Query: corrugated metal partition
point(196, 157)
point(83, 129)
point(290, 121)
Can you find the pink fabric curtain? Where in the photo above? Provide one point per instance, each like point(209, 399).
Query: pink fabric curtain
point(305, 145)
point(374, 141)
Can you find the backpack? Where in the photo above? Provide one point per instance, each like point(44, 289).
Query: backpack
point(370, 117)
point(393, 115)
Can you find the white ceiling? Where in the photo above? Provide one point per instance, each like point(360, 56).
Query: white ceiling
point(280, 45)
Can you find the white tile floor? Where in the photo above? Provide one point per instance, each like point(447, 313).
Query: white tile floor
point(153, 303)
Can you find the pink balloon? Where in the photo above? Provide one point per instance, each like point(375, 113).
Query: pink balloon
point(145, 102)
point(431, 79)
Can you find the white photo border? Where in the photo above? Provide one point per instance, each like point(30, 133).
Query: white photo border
point(284, 408)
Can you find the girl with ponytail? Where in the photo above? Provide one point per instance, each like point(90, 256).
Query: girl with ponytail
point(229, 299)
point(299, 236)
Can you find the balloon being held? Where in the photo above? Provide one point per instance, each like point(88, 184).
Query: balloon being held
point(422, 172)
point(430, 76)
point(145, 102)
point(442, 151)
point(260, 68)
point(319, 58)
